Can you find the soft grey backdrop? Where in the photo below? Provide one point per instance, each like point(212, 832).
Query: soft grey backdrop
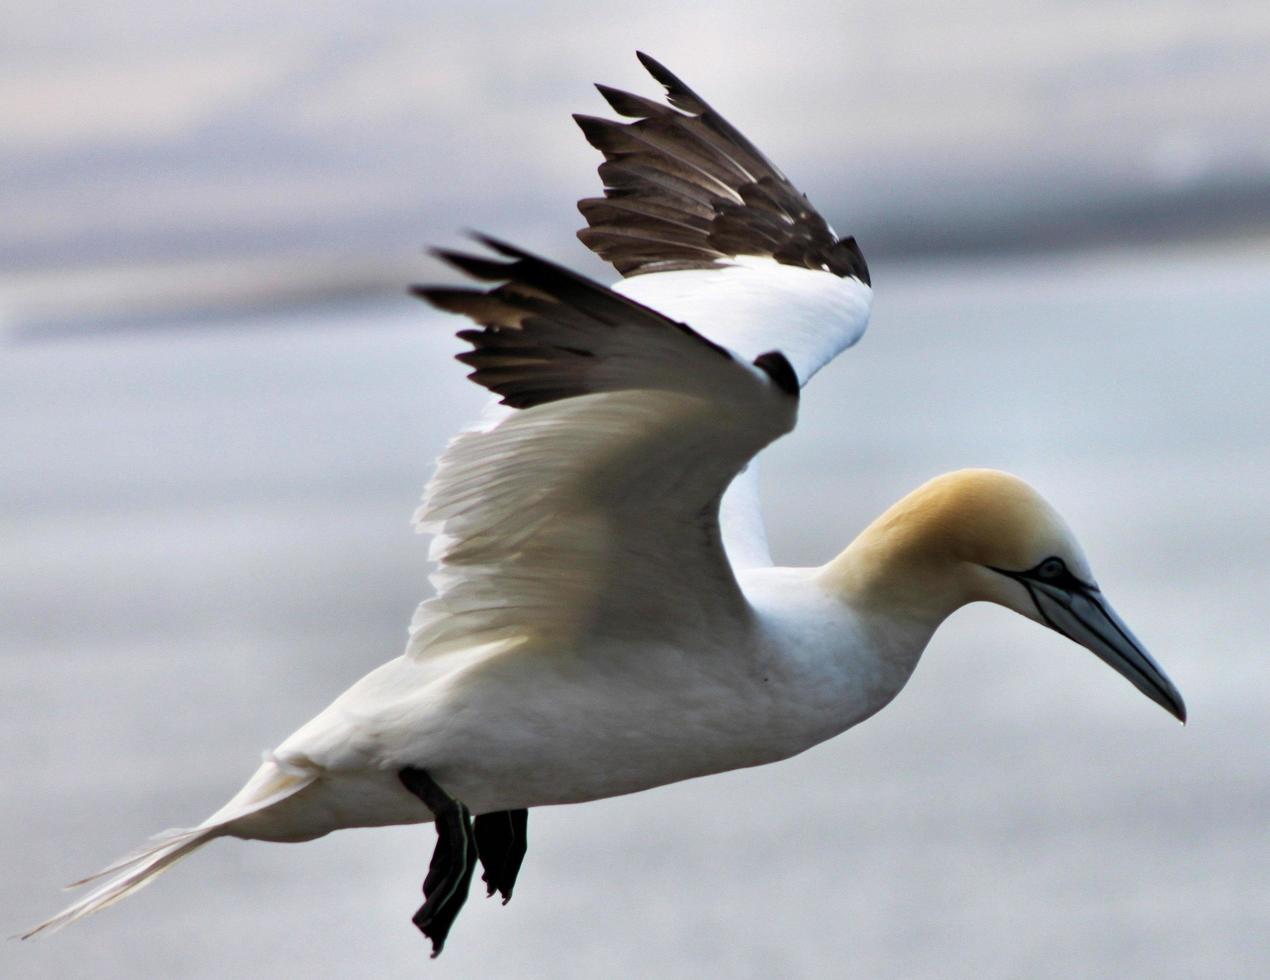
point(190, 153)
point(213, 429)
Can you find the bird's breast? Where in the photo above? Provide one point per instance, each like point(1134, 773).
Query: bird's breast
point(580, 726)
point(531, 727)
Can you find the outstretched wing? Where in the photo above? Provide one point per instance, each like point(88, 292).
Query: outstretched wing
point(707, 230)
point(594, 509)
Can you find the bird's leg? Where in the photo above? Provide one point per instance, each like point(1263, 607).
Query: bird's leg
point(500, 842)
point(453, 860)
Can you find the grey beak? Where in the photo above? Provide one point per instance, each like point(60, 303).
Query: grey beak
point(1084, 616)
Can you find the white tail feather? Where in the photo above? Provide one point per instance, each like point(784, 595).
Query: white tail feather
point(272, 783)
point(148, 865)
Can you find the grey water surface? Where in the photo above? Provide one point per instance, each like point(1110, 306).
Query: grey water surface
point(205, 539)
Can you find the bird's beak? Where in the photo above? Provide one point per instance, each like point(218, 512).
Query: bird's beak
point(1084, 616)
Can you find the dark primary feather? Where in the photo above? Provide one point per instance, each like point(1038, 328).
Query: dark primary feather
point(548, 333)
point(684, 189)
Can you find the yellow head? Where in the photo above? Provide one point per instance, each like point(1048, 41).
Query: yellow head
point(984, 535)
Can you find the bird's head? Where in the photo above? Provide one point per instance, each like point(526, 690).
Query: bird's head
point(984, 535)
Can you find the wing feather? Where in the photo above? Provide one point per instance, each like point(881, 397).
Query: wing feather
point(690, 160)
point(706, 229)
point(594, 509)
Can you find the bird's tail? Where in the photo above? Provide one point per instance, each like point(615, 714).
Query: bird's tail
point(272, 783)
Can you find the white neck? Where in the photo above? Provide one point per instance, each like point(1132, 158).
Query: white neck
point(833, 663)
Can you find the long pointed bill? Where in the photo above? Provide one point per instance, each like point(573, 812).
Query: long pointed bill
point(1087, 618)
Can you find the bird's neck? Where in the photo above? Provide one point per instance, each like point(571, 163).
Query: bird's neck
point(895, 570)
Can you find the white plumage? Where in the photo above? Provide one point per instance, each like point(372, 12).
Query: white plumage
point(757, 304)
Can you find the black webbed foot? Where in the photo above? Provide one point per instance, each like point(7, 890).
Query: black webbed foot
point(453, 861)
point(500, 842)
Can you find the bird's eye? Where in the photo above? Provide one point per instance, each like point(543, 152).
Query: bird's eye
point(1050, 569)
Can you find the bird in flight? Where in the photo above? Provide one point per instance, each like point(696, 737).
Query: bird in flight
point(607, 617)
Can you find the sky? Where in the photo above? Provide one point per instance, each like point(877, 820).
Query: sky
point(276, 146)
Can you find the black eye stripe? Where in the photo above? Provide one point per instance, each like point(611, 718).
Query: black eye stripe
point(1054, 571)
point(1051, 573)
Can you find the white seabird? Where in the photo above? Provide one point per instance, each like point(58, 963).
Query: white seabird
point(597, 629)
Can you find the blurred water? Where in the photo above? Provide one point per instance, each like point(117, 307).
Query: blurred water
point(205, 539)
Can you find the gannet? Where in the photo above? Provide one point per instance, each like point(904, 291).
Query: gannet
point(607, 617)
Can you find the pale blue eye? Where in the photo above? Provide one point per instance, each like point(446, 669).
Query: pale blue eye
point(1051, 568)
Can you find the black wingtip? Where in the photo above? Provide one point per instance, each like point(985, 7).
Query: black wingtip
point(442, 297)
point(628, 105)
point(594, 128)
point(476, 266)
point(497, 244)
point(657, 69)
point(679, 94)
point(481, 266)
point(448, 298)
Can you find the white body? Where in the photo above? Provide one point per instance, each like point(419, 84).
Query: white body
point(502, 730)
point(541, 723)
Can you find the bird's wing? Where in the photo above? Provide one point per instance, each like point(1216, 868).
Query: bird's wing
point(707, 230)
point(594, 509)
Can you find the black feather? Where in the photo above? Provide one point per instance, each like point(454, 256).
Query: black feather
point(688, 168)
point(544, 330)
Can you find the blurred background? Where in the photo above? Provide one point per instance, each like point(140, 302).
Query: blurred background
point(217, 407)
